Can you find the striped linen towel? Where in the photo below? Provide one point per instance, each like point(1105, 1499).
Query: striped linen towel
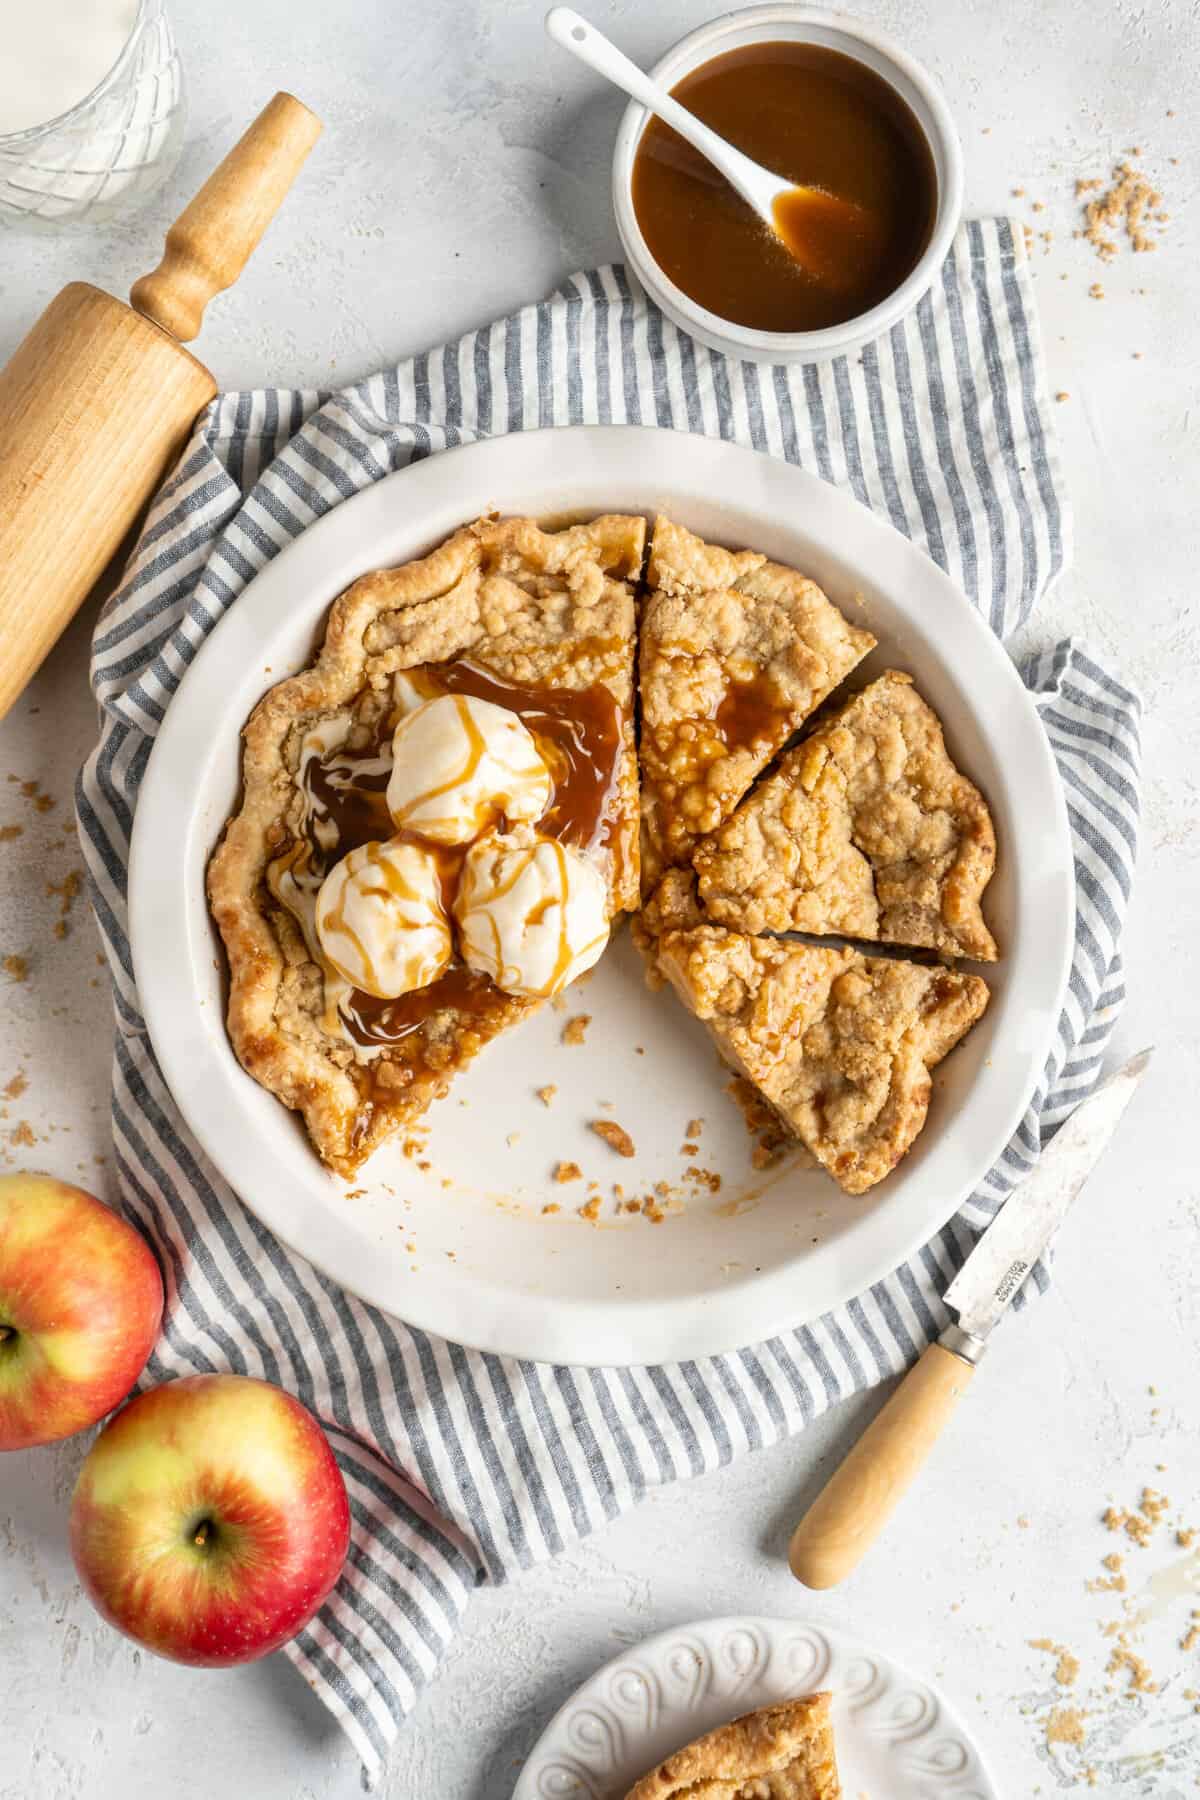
point(462, 1467)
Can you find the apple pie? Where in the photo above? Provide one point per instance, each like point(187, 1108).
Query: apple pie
point(839, 1044)
point(524, 632)
point(865, 829)
point(735, 653)
point(783, 1752)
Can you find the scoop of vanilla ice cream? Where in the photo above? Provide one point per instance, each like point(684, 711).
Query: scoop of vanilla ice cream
point(380, 919)
point(460, 764)
point(532, 913)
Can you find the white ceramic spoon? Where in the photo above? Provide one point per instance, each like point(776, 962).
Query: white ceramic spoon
point(815, 226)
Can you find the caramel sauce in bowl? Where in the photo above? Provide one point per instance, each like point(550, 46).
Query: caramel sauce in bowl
point(853, 116)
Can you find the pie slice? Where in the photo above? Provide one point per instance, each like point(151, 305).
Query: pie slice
point(736, 652)
point(784, 1752)
point(840, 1044)
point(539, 622)
point(867, 829)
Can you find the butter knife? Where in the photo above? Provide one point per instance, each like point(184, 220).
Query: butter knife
point(859, 1498)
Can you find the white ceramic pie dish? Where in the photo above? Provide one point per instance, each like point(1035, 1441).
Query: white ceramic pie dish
point(462, 1247)
point(897, 1738)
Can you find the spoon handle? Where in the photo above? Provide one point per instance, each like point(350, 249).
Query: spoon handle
point(575, 34)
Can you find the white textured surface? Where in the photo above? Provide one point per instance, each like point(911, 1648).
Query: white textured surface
point(464, 169)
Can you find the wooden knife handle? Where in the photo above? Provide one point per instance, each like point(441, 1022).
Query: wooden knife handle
point(210, 242)
point(861, 1495)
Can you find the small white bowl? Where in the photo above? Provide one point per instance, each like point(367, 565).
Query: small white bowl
point(834, 31)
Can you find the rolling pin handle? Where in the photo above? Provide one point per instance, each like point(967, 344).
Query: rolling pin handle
point(211, 241)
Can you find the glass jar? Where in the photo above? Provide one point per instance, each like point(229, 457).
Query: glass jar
point(109, 151)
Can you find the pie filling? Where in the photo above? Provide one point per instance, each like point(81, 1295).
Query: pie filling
point(345, 763)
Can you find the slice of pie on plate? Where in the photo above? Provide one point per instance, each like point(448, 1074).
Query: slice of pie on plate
point(783, 1752)
point(840, 1044)
point(736, 652)
point(867, 829)
point(538, 623)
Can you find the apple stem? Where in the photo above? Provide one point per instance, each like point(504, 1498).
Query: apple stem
point(201, 1537)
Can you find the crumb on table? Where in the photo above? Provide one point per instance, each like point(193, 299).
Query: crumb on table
point(567, 1171)
point(547, 1093)
point(614, 1135)
point(575, 1029)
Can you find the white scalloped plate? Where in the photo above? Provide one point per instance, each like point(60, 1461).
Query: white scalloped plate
point(897, 1737)
point(457, 1241)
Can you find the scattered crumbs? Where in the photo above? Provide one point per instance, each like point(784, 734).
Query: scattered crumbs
point(514, 1137)
point(9, 832)
point(1023, 1522)
point(1039, 206)
point(1018, 193)
point(1191, 1637)
point(424, 1165)
point(43, 802)
point(23, 1135)
point(1116, 1582)
point(614, 1135)
point(15, 967)
point(552, 1206)
point(411, 1249)
point(1064, 1725)
point(694, 1127)
point(355, 1193)
point(1066, 1671)
point(639, 1050)
point(590, 1210)
point(1141, 1681)
point(689, 1149)
point(1096, 292)
point(631, 1206)
point(653, 1211)
point(1185, 1537)
point(704, 1178)
point(575, 1029)
point(1062, 395)
point(567, 1171)
point(66, 891)
point(547, 1093)
point(16, 1087)
point(1123, 206)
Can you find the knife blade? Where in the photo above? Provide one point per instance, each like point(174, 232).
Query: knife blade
point(992, 1276)
point(860, 1496)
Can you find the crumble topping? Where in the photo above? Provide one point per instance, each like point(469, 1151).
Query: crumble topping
point(735, 653)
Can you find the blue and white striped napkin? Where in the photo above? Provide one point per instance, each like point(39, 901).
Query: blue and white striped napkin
point(462, 1467)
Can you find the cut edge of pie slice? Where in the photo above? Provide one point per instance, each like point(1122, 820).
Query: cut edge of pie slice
point(866, 829)
point(792, 1740)
point(735, 653)
point(551, 611)
point(839, 1044)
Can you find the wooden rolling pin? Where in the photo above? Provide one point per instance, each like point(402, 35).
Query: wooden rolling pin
point(99, 399)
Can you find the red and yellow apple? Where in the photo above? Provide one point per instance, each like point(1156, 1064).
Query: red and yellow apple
point(81, 1302)
point(210, 1519)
